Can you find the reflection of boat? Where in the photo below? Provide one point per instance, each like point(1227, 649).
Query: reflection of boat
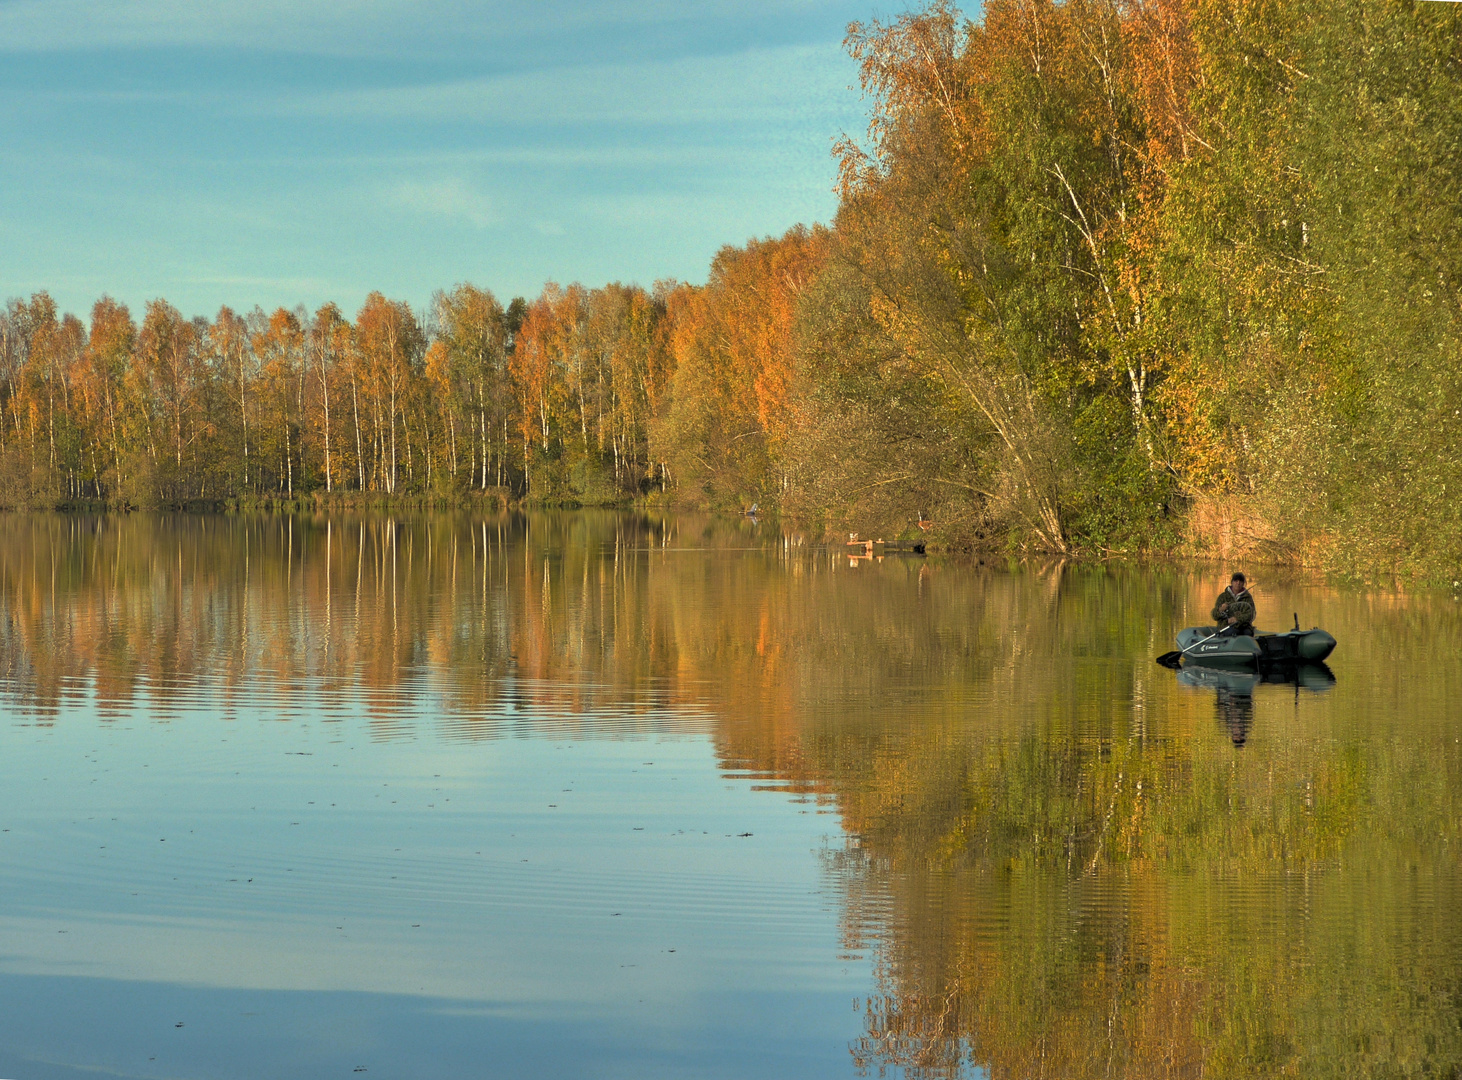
point(1204, 645)
point(1306, 676)
point(1233, 697)
point(1235, 682)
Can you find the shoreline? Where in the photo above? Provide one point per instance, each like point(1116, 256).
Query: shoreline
point(501, 502)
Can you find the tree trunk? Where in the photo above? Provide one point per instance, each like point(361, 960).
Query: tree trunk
point(299, 410)
point(325, 391)
point(244, 415)
point(410, 461)
point(51, 408)
point(355, 410)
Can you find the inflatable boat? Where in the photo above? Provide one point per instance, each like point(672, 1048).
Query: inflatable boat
point(1205, 645)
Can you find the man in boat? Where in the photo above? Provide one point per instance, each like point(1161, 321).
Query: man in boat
point(1233, 611)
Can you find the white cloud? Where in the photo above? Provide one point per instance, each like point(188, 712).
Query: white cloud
point(452, 197)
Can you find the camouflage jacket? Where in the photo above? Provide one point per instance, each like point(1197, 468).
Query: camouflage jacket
point(1240, 606)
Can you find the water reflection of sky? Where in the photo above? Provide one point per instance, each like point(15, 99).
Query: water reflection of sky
point(598, 892)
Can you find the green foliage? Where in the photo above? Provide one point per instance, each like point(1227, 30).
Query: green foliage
point(1186, 271)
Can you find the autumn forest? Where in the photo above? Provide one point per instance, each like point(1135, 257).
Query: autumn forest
point(1106, 277)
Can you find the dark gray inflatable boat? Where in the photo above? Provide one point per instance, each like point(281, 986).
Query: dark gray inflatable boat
point(1204, 645)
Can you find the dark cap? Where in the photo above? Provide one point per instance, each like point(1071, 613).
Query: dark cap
point(1239, 577)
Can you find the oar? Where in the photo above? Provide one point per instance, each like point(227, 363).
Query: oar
point(1174, 658)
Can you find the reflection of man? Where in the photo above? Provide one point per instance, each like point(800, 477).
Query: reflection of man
point(1236, 712)
point(1233, 611)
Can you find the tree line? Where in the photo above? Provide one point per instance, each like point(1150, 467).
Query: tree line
point(470, 395)
point(1106, 276)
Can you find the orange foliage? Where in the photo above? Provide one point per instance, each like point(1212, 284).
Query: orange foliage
point(733, 342)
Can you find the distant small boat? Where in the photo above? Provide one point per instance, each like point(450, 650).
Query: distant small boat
point(1205, 645)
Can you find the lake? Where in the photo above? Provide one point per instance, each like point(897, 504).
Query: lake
point(613, 795)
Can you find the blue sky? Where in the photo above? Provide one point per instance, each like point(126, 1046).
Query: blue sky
point(297, 151)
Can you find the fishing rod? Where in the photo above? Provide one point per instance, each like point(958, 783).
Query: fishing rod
point(1172, 659)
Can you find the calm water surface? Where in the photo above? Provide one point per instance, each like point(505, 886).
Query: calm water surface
point(591, 795)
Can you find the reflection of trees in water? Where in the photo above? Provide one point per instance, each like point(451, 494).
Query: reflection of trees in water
point(1160, 907)
point(1164, 911)
point(1055, 864)
point(497, 613)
